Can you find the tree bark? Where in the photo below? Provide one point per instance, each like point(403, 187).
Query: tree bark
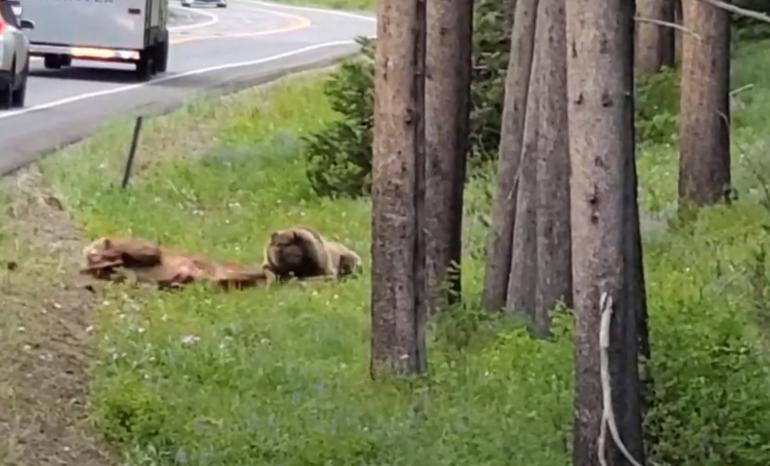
point(635, 293)
point(678, 34)
point(447, 107)
point(500, 237)
point(600, 91)
point(522, 281)
point(636, 350)
point(704, 163)
point(655, 47)
point(397, 308)
point(554, 265)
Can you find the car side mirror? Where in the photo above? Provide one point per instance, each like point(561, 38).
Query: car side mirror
point(27, 24)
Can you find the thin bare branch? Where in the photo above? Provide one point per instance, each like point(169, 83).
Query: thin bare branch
point(608, 416)
point(739, 11)
point(668, 24)
point(735, 92)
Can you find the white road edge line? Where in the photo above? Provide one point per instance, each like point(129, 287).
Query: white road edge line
point(212, 19)
point(314, 10)
point(162, 79)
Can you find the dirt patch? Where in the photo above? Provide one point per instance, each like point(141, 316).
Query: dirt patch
point(45, 327)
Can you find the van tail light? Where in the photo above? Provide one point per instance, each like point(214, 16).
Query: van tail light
point(2, 24)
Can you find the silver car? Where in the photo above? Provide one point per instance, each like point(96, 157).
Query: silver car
point(219, 3)
point(14, 54)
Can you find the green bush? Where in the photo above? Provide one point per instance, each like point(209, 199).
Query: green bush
point(710, 368)
point(657, 107)
point(339, 155)
point(492, 24)
point(750, 28)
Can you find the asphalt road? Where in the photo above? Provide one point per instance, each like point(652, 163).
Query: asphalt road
point(211, 49)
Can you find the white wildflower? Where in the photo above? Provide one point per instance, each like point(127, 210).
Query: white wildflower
point(190, 339)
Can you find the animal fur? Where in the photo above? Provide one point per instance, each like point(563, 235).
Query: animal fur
point(301, 252)
point(115, 258)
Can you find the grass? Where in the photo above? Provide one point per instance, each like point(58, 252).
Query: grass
point(280, 376)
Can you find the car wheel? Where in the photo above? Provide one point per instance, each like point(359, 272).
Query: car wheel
point(221, 5)
point(52, 62)
point(19, 94)
point(146, 65)
point(6, 93)
point(6, 90)
point(161, 55)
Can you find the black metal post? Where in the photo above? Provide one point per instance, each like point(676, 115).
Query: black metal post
point(132, 151)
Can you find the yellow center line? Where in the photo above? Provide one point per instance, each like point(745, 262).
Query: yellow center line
point(296, 23)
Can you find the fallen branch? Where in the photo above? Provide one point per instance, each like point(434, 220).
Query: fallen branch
point(668, 24)
point(608, 414)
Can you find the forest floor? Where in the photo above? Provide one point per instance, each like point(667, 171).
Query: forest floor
point(280, 376)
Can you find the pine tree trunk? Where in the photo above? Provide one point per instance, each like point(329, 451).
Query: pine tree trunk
point(635, 349)
point(522, 281)
point(600, 91)
point(655, 43)
point(635, 290)
point(704, 138)
point(447, 105)
point(397, 308)
point(554, 266)
point(635, 293)
point(677, 33)
point(500, 238)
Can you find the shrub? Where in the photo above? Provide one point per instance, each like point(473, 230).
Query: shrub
point(492, 24)
point(339, 155)
point(657, 107)
point(711, 372)
point(750, 27)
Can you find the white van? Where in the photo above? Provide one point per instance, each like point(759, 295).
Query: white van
point(128, 31)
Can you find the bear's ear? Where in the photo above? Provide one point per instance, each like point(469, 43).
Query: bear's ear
point(274, 237)
point(107, 243)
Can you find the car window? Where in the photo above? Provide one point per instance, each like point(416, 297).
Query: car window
point(7, 13)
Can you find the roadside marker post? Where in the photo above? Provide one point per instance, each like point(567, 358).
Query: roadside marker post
point(132, 151)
